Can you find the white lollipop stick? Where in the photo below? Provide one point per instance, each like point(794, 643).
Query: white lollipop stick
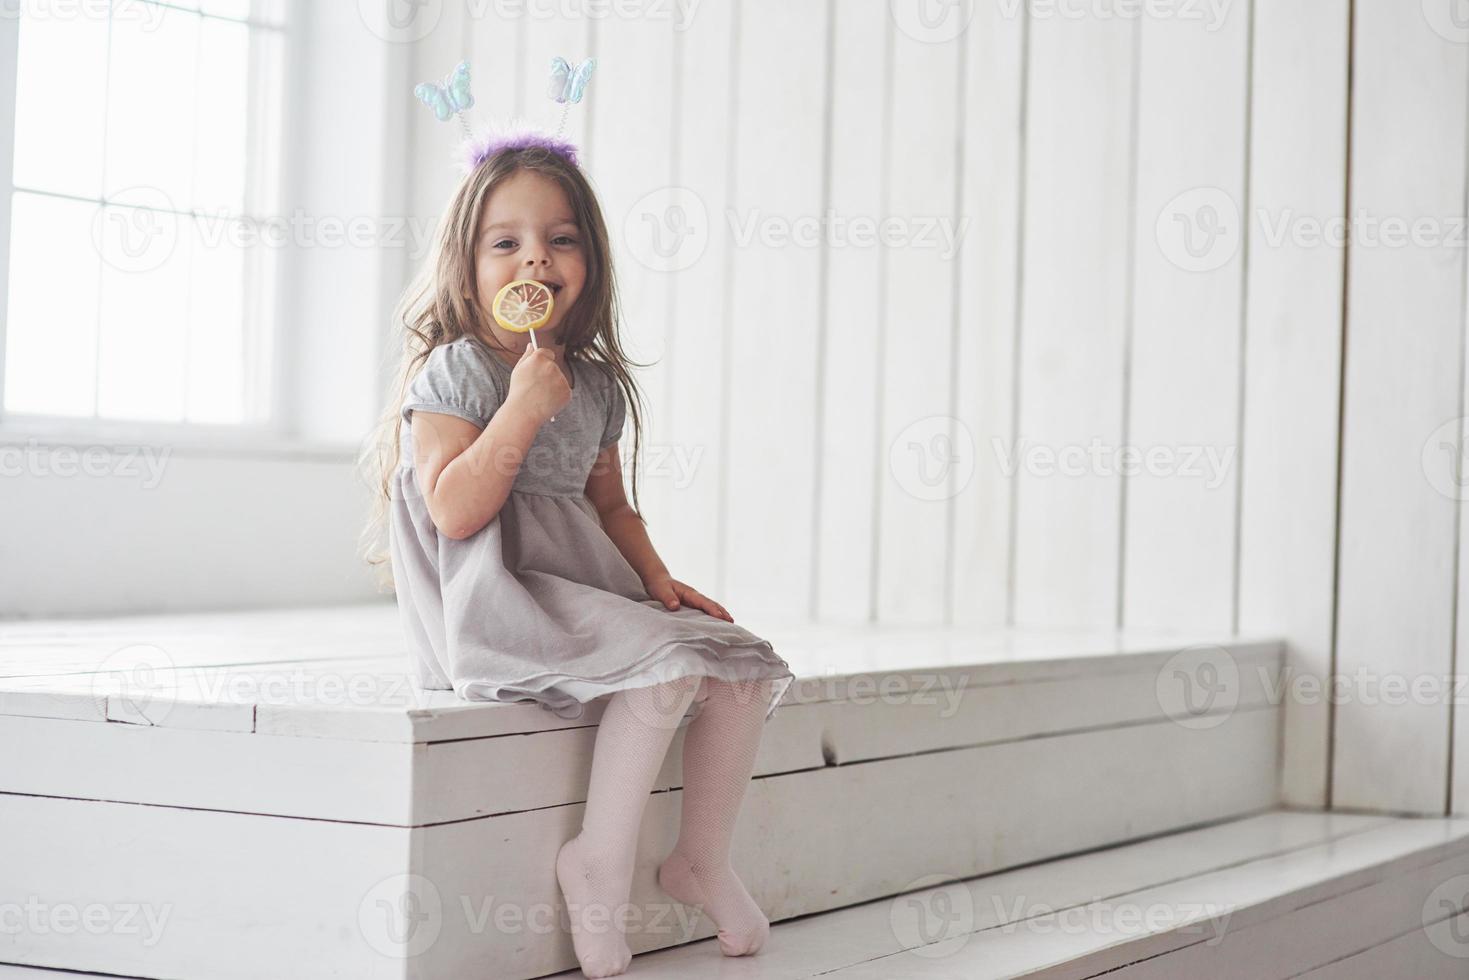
point(536, 346)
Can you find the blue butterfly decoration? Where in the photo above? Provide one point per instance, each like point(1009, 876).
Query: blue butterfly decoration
point(448, 97)
point(568, 81)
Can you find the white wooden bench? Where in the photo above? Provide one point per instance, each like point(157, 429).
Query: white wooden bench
point(276, 798)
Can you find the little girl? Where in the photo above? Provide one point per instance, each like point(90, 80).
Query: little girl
point(520, 568)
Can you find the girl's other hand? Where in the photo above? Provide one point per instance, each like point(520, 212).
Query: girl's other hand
point(673, 593)
point(537, 383)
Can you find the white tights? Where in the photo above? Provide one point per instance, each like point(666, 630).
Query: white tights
point(595, 867)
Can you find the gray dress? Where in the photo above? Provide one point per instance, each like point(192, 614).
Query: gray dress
point(540, 604)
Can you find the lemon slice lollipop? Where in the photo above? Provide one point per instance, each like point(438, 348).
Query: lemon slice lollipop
point(523, 305)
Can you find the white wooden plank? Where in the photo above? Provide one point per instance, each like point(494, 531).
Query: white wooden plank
point(284, 898)
point(875, 727)
point(205, 716)
point(247, 682)
point(377, 700)
point(631, 110)
point(1150, 922)
point(917, 450)
point(934, 669)
point(562, 762)
point(988, 298)
point(397, 785)
point(219, 698)
point(1418, 954)
point(1293, 362)
point(1142, 781)
point(1073, 309)
point(872, 717)
point(49, 646)
point(1292, 943)
point(878, 722)
point(686, 232)
point(370, 782)
point(1405, 327)
point(1283, 847)
point(816, 945)
point(73, 707)
point(937, 672)
point(429, 716)
point(1183, 398)
point(193, 655)
point(770, 348)
point(1446, 465)
point(1449, 469)
point(851, 371)
point(1138, 781)
point(340, 672)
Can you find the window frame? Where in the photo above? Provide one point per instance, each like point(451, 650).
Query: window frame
point(274, 435)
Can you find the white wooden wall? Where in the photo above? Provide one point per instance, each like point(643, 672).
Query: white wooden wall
point(1071, 361)
point(1292, 358)
point(1404, 379)
point(852, 410)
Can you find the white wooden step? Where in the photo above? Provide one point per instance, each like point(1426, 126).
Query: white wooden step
point(921, 750)
point(1278, 895)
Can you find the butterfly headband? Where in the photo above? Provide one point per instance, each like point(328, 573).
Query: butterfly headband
point(451, 97)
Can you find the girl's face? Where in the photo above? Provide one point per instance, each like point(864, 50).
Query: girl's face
point(528, 231)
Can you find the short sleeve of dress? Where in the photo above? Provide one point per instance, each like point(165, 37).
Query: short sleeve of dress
point(616, 414)
point(454, 380)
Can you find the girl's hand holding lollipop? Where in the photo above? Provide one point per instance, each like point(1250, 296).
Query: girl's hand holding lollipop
point(537, 383)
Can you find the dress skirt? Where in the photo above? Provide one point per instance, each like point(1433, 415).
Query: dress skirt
point(540, 605)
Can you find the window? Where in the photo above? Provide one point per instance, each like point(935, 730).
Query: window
point(146, 149)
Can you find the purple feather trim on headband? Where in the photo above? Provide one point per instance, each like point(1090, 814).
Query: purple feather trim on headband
point(480, 149)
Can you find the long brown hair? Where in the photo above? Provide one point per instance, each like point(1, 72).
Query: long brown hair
point(442, 305)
